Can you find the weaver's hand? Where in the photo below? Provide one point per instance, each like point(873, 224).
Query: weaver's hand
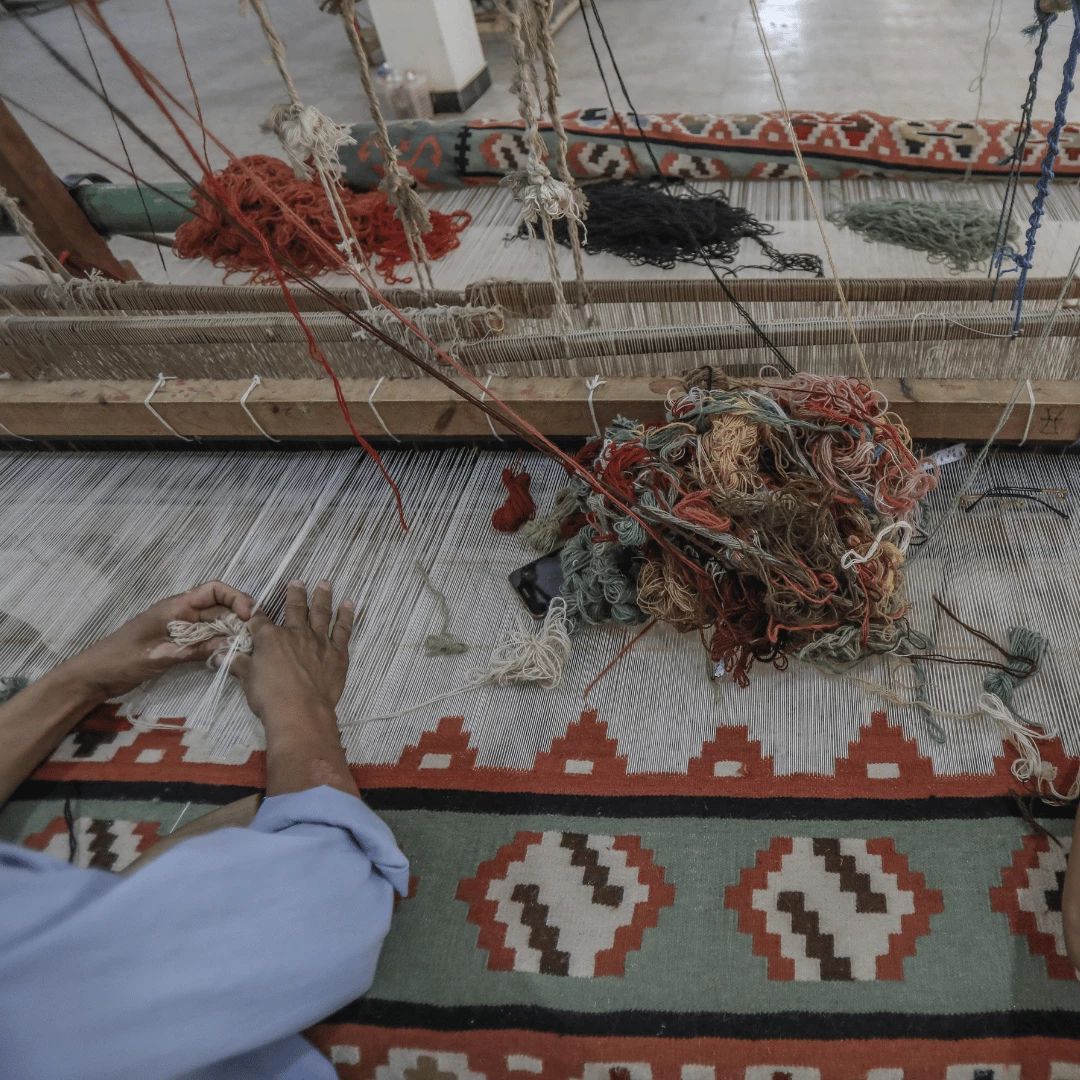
point(141, 648)
point(296, 672)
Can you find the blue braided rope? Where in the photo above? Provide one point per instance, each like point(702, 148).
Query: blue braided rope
point(1053, 141)
point(1015, 160)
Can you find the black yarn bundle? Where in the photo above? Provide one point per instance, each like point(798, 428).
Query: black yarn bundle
point(665, 222)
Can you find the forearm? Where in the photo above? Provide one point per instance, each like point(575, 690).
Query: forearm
point(34, 721)
point(303, 750)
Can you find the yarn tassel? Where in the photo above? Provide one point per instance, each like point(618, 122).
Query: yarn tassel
point(544, 533)
point(642, 222)
point(519, 506)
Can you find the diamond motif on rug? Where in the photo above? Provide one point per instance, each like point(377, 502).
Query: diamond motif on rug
point(833, 910)
point(1030, 894)
point(568, 904)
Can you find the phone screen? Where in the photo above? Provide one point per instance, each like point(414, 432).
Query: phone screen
point(538, 583)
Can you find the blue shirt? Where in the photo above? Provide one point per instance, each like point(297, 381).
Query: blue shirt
point(205, 963)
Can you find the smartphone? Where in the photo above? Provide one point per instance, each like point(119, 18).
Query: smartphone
point(538, 583)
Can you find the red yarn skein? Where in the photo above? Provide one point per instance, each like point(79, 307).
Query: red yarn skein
point(519, 506)
point(382, 237)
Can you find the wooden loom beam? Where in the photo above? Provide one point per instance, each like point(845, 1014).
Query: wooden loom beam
point(953, 409)
point(61, 226)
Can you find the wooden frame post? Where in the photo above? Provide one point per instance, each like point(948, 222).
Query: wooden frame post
point(62, 227)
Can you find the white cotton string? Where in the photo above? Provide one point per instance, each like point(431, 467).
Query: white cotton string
point(229, 626)
point(1031, 411)
point(487, 383)
point(1029, 766)
point(524, 656)
point(161, 381)
point(853, 558)
point(779, 90)
point(954, 322)
point(25, 228)
point(593, 385)
point(7, 431)
point(371, 406)
point(255, 381)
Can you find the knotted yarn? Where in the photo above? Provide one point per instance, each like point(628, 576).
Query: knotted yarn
point(519, 506)
point(10, 685)
point(961, 235)
point(544, 533)
point(230, 628)
point(444, 643)
point(1026, 652)
point(307, 135)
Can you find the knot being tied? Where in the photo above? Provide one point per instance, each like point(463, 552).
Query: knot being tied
point(230, 628)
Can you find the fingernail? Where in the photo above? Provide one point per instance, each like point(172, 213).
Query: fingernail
point(324, 584)
point(296, 581)
point(348, 604)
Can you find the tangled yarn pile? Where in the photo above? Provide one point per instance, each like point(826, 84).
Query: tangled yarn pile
point(663, 223)
point(210, 235)
point(961, 235)
point(771, 519)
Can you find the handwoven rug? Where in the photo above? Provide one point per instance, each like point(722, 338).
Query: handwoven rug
point(606, 145)
point(774, 884)
point(574, 921)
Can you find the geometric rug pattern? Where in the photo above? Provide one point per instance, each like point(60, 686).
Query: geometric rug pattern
point(578, 921)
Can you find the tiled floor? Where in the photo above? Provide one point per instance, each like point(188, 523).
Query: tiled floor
point(906, 57)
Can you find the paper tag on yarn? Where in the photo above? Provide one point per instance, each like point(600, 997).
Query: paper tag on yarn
point(947, 455)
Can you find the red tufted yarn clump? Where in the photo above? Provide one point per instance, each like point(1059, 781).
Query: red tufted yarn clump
point(519, 506)
point(381, 236)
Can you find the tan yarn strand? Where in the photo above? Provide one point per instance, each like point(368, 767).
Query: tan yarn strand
point(545, 45)
point(25, 228)
point(809, 188)
point(397, 184)
point(303, 131)
point(534, 187)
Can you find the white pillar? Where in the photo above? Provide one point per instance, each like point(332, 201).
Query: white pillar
point(438, 38)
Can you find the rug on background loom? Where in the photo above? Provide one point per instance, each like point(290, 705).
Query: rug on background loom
point(770, 884)
point(694, 146)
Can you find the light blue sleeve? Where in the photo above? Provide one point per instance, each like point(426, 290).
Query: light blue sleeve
point(226, 943)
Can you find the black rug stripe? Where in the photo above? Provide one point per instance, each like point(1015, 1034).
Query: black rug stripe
point(695, 1025)
point(594, 806)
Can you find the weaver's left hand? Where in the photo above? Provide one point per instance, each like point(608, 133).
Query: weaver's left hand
point(141, 648)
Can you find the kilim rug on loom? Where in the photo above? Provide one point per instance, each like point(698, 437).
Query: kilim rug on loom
point(574, 920)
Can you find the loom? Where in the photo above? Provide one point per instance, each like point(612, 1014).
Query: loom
point(93, 534)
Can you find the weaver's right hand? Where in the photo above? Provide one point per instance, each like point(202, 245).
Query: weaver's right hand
point(297, 670)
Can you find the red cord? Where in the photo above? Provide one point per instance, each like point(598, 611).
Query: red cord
point(519, 506)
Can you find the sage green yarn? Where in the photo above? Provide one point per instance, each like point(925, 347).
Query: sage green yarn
point(10, 685)
point(962, 235)
point(594, 587)
point(1024, 644)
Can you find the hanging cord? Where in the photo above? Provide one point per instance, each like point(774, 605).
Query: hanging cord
point(543, 197)
point(976, 86)
point(378, 415)
point(1015, 160)
point(397, 183)
point(25, 228)
point(541, 14)
point(809, 188)
point(731, 297)
point(1042, 188)
point(305, 133)
point(119, 134)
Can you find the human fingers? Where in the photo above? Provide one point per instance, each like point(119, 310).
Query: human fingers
point(215, 611)
point(296, 606)
point(258, 624)
point(218, 594)
point(343, 624)
point(322, 608)
point(239, 666)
